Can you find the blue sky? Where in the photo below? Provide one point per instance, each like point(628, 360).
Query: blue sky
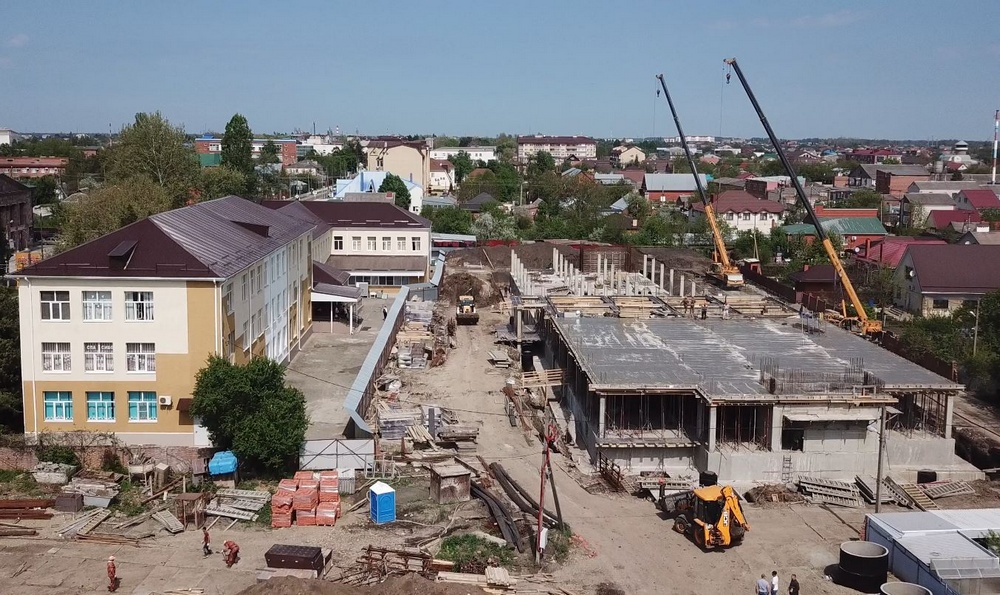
point(892, 69)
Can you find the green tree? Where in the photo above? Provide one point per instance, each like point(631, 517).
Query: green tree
point(396, 185)
point(43, 191)
point(463, 165)
point(448, 219)
point(495, 224)
point(11, 412)
point(237, 146)
point(866, 198)
point(216, 182)
point(541, 162)
point(890, 161)
point(506, 147)
point(109, 208)
point(270, 153)
point(152, 148)
point(249, 410)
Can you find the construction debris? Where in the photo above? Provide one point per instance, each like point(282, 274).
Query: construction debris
point(24, 504)
point(946, 489)
point(866, 485)
point(773, 494)
point(98, 488)
point(829, 491)
point(500, 359)
point(12, 532)
point(52, 473)
point(169, 521)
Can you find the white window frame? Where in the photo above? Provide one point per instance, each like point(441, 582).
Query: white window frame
point(386, 244)
point(401, 244)
point(415, 242)
point(97, 306)
point(57, 357)
point(101, 404)
point(356, 243)
point(338, 242)
point(140, 358)
point(246, 335)
point(260, 278)
point(62, 411)
point(151, 407)
point(139, 306)
point(243, 284)
point(98, 357)
point(372, 244)
point(56, 308)
point(227, 296)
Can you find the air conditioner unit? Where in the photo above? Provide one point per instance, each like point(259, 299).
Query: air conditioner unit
point(165, 400)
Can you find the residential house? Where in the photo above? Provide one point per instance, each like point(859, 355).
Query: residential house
point(623, 156)
point(209, 149)
point(761, 186)
point(670, 188)
point(113, 332)
point(958, 219)
point(935, 280)
point(611, 179)
point(862, 176)
point(410, 160)
point(371, 181)
point(709, 159)
point(484, 154)
point(562, 148)
point(15, 212)
point(22, 168)
point(635, 177)
point(887, 253)
point(827, 213)
point(440, 201)
point(983, 238)
point(978, 199)
point(855, 231)
point(952, 187)
point(895, 179)
point(377, 243)
point(442, 177)
point(318, 143)
point(916, 207)
point(820, 279)
point(873, 156)
point(305, 168)
point(742, 211)
point(836, 194)
point(476, 204)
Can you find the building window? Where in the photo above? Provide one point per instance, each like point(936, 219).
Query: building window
point(940, 304)
point(227, 297)
point(98, 357)
point(97, 305)
point(58, 405)
point(372, 243)
point(142, 406)
point(264, 278)
point(100, 406)
point(246, 335)
point(386, 244)
point(338, 242)
point(55, 305)
point(139, 305)
point(416, 243)
point(243, 286)
point(356, 244)
point(763, 216)
point(56, 357)
point(140, 357)
point(255, 325)
point(746, 216)
point(401, 244)
point(729, 216)
point(260, 278)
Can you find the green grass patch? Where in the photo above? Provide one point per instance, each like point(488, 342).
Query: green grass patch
point(9, 475)
point(129, 499)
point(264, 516)
point(472, 554)
point(559, 543)
point(19, 483)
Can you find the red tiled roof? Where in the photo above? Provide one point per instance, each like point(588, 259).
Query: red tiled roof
point(34, 161)
point(889, 251)
point(943, 219)
point(636, 176)
point(956, 268)
point(982, 198)
point(441, 165)
point(741, 201)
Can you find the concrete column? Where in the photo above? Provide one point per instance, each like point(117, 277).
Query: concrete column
point(645, 263)
point(693, 293)
point(776, 422)
point(949, 414)
point(652, 270)
point(518, 320)
point(662, 270)
point(711, 428)
point(681, 293)
point(670, 290)
point(555, 255)
point(600, 420)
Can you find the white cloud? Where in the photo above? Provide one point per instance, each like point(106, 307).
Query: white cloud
point(19, 40)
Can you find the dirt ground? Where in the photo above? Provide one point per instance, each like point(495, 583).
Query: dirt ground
point(393, 586)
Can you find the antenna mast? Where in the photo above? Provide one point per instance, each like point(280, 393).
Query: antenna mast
point(996, 126)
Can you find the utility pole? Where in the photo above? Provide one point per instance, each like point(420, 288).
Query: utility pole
point(551, 435)
point(881, 449)
point(975, 333)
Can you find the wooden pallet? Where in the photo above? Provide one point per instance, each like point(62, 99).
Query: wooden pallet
point(540, 379)
point(244, 494)
point(918, 497)
point(945, 490)
point(94, 521)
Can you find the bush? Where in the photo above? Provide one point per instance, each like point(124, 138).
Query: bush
point(58, 454)
point(472, 554)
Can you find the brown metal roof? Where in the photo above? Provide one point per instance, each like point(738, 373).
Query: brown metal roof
point(339, 214)
point(324, 273)
point(956, 268)
point(378, 263)
point(213, 239)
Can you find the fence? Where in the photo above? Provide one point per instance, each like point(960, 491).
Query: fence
point(359, 397)
point(321, 455)
point(948, 369)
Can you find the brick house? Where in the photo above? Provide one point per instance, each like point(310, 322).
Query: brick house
point(670, 188)
point(935, 280)
point(896, 179)
point(15, 212)
point(742, 211)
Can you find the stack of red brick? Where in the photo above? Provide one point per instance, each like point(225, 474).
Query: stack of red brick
point(306, 500)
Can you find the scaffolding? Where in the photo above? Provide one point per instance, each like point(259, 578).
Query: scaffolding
point(650, 416)
point(744, 426)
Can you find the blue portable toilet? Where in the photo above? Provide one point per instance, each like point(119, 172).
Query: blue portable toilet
point(222, 463)
point(382, 503)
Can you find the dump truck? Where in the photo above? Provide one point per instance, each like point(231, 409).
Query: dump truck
point(711, 516)
point(466, 313)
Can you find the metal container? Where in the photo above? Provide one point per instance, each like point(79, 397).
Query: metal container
point(903, 589)
point(294, 556)
point(864, 565)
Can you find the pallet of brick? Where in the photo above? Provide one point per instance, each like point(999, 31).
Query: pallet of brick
point(288, 485)
point(329, 491)
point(305, 518)
point(327, 513)
point(304, 475)
point(281, 509)
point(281, 520)
point(305, 499)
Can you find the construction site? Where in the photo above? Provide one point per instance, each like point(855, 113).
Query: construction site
point(659, 371)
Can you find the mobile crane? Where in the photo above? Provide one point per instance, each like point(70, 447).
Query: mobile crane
point(722, 270)
point(859, 323)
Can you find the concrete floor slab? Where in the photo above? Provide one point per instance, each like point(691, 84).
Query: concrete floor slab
point(327, 365)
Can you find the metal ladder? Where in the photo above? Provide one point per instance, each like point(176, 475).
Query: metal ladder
point(786, 469)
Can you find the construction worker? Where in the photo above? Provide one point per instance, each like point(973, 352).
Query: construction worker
point(231, 551)
point(112, 575)
point(206, 542)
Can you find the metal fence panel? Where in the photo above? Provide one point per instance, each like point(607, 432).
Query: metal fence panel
point(323, 455)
